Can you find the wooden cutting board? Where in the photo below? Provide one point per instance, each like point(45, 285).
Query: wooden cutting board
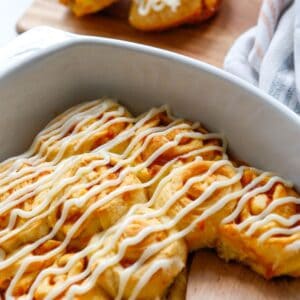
point(208, 42)
point(210, 278)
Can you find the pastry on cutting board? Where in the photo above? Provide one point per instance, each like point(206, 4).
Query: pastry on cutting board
point(85, 7)
point(152, 15)
point(147, 15)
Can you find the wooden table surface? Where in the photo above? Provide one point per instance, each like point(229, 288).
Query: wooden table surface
point(208, 42)
point(211, 278)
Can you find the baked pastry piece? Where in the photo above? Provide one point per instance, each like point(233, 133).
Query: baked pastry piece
point(161, 141)
point(192, 191)
point(84, 7)
point(107, 206)
point(150, 15)
point(153, 15)
point(247, 215)
point(143, 267)
point(263, 230)
point(17, 197)
point(177, 290)
point(78, 184)
point(81, 129)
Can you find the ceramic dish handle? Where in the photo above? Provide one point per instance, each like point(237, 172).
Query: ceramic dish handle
point(31, 42)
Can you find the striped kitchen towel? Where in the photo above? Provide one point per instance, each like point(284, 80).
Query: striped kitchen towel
point(268, 55)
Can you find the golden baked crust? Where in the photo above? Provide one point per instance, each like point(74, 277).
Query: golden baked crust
point(84, 7)
point(82, 129)
point(205, 233)
point(187, 11)
point(257, 236)
point(171, 258)
point(145, 16)
point(177, 290)
point(107, 206)
point(165, 139)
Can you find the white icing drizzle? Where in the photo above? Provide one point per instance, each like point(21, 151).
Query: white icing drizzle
point(76, 289)
point(157, 265)
point(92, 192)
point(150, 159)
point(59, 134)
point(16, 198)
point(294, 246)
point(32, 215)
point(28, 195)
point(128, 220)
point(273, 217)
point(95, 117)
point(87, 249)
point(151, 250)
point(276, 230)
point(123, 226)
point(79, 222)
point(253, 219)
point(145, 6)
point(243, 201)
point(120, 227)
point(62, 125)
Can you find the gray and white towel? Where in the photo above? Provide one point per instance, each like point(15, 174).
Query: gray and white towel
point(268, 55)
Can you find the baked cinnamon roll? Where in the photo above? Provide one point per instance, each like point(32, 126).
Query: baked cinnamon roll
point(149, 15)
point(263, 230)
point(108, 206)
point(85, 7)
point(198, 196)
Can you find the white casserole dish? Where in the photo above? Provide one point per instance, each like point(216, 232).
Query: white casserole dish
point(55, 70)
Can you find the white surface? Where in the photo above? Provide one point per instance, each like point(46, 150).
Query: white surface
point(10, 12)
point(35, 87)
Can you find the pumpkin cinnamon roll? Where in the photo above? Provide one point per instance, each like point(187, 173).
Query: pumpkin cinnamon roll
point(263, 230)
point(142, 257)
point(84, 7)
point(107, 206)
point(198, 196)
point(148, 15)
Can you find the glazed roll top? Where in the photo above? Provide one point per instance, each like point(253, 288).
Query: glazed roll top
point(263, 229)
point(106, 205)
point(84, 7)
point(151, 15)
point(80, 129)
point(198, 196)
